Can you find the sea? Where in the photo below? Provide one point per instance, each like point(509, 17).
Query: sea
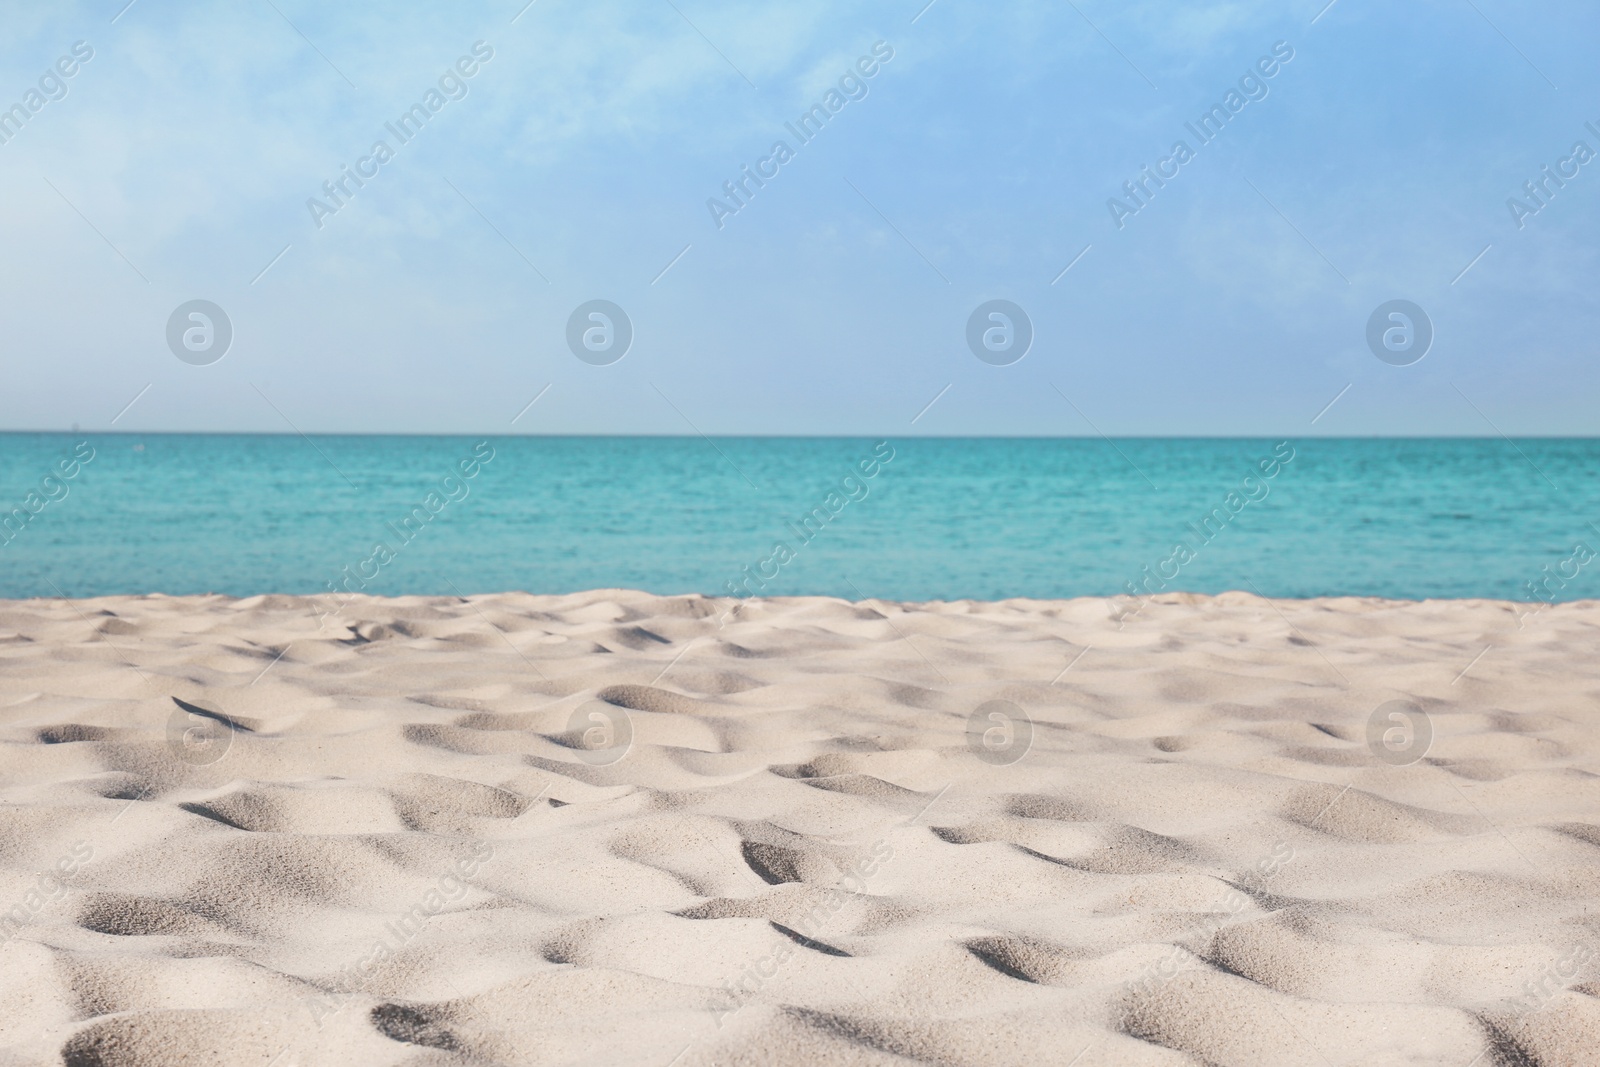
point(910, 519)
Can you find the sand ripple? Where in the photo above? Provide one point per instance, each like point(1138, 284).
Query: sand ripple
point(617, 828)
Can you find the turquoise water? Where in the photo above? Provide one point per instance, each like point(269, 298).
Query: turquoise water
point(942, 519)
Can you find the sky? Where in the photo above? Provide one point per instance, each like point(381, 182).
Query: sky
point(983, 159)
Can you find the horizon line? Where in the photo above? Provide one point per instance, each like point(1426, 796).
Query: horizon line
point(811, 436)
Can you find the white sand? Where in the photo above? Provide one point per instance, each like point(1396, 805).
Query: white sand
point(405, 855)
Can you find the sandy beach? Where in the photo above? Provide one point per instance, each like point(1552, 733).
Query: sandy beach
point(613, 827)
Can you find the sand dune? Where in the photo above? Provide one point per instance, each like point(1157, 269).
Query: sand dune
point(619, 828)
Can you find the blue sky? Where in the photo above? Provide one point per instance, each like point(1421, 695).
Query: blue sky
point(979, 164)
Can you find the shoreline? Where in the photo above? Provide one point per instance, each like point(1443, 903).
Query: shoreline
point(1171, 597)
